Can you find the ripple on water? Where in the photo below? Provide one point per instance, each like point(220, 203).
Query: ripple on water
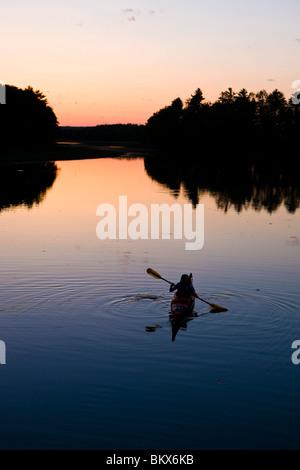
point(250, 311)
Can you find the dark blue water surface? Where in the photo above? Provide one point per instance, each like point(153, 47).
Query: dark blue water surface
point(90, 361)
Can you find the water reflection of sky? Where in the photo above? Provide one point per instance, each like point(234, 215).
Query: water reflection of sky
point(67, 218)
point(86, 328)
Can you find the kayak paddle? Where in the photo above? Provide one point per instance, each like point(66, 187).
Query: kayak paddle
point(155, 274)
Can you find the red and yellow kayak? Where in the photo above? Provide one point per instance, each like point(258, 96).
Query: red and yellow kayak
point(182, 305)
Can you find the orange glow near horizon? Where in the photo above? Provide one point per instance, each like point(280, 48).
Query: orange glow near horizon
point(108, 105)
point(105, 63)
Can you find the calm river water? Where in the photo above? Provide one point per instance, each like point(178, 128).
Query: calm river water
point(90, 360)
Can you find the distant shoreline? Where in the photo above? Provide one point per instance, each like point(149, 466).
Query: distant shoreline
point(81, 150)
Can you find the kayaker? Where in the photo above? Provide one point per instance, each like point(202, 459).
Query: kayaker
point(184, 287)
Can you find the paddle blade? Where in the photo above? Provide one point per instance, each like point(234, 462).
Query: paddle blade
point(217, 308)
point(153, 273)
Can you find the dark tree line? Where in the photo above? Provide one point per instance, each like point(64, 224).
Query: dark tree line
point(103, 133)
point(241, 121)
point(26, 120)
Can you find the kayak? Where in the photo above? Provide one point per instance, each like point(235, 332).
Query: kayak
point(182, 305)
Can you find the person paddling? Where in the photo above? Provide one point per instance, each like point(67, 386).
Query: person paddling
point(214, 307)
point(184, 287)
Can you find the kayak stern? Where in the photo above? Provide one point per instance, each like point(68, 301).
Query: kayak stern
point(182, 305)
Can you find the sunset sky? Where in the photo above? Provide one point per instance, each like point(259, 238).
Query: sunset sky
point(118, 61)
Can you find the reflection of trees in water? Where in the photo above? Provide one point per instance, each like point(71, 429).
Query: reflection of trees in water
point(251, 186)
point(25, 183)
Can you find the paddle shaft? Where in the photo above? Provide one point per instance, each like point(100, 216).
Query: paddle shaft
point(197, 296)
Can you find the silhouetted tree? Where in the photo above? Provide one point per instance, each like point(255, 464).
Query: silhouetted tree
point(195, 119)
point(26, 119)
point(277, 103)
point(195, 101)
point(227, 97)
point(164, 126)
